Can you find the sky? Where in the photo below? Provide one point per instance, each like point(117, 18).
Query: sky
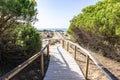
point(58, 13)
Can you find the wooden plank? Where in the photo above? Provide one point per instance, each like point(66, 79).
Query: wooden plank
point(75, 53)
point(63, 43)
point(67, 46)
point(87, 66)
point(62, 66)
point(42, 64)
point(20, 67)
point(48, 55)
point(96, 62)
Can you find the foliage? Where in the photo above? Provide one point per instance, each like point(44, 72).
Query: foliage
point(28, 37)
point(101, 21)
point(23, 42)
point(12, 11)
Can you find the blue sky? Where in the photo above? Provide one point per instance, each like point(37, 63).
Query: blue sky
point(58, 13)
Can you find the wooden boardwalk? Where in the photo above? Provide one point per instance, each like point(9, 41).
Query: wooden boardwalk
point(62, 66)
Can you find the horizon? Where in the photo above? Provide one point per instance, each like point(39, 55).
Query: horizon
point(53, 29)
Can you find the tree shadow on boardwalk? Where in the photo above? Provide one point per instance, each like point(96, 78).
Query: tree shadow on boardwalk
point(62, 66)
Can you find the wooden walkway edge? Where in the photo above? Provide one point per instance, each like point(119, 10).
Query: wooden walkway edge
point(62, 66)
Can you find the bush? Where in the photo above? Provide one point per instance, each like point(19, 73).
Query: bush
point(23, 42)
point(98, 27)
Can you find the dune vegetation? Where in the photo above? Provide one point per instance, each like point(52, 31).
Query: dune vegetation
point(97, 27)
point(18, 38)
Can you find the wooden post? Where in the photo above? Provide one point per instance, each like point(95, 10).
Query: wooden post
point(48, 51)
point(67, 46)
point(42, 64)
point(63, 43)
point(87, 66)
point(75, 53)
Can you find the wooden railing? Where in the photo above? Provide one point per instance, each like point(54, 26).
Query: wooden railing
point(20, 67)
point(88, 58)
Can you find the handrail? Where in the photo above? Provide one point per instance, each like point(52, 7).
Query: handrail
point(20, 67)
point(89, 56)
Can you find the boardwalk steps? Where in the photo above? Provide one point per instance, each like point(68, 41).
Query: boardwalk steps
point(62, 66)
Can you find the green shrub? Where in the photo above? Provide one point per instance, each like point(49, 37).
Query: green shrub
point(98, 26)
point(23, 42)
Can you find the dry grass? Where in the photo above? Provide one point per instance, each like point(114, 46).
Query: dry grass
point(94, 72)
